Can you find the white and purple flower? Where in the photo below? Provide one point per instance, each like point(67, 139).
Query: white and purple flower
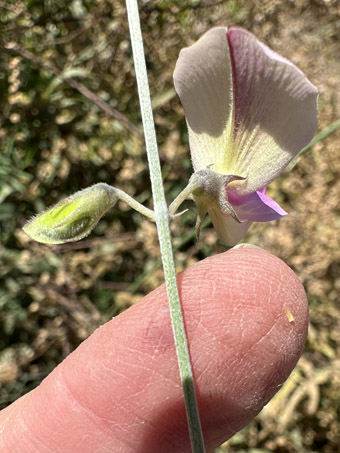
point(249, 112)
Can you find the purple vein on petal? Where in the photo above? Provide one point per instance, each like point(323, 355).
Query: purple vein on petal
point(275, 109)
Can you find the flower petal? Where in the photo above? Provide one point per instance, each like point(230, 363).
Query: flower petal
point(228, 230)
point(256, 207)
point(275, 111)
point(203, 81)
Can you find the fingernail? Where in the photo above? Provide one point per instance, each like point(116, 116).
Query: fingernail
point(246, 246)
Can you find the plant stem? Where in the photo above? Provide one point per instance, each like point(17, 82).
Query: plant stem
point(184, 195)
point(321, 136)
point(134, 287)
point(333, 127)
point(162, 222)
point(133, 203)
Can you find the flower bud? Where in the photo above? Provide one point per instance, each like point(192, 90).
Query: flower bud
point(72, 218)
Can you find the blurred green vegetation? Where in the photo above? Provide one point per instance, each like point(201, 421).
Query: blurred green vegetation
point(69, 117)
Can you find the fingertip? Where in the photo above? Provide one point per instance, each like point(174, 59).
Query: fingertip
point(243, 345)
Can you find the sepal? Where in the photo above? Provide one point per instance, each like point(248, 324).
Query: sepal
point(210, 194)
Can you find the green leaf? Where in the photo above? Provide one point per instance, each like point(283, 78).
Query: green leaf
point(73, 218)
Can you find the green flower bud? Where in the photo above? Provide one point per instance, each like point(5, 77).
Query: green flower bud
point(73, 218)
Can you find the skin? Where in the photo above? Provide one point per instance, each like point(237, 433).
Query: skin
point(120, 390)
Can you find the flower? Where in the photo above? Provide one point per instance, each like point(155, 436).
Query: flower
point(249, 112)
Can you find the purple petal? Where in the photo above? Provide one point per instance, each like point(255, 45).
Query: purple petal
point(255, 207)
point(275, 111)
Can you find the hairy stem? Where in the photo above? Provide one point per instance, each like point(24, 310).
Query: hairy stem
point(134, 203)
point(186, 193)
point(162, 222)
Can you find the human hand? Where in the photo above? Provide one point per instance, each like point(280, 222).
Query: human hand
point(120, 390)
